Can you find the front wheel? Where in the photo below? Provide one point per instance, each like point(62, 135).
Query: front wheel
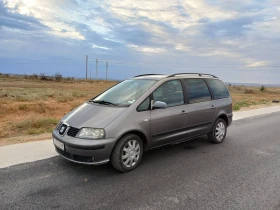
point(219, 132)
point(127, 154)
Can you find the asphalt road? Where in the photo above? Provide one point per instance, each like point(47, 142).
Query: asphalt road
point(241, 173)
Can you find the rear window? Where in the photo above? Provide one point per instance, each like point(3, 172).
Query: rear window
point(197, 90)
point(218, 88)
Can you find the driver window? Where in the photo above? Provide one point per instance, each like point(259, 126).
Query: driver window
point(170, 92)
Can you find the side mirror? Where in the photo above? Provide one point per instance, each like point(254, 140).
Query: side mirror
point(159, 105)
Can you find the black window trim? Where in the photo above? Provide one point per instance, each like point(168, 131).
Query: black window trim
point(185, 92)
point(211, 93)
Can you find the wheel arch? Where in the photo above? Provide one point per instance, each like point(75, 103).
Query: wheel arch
point(224, 117)
point(139, 133)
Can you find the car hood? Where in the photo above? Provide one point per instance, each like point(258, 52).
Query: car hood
point(92, 115)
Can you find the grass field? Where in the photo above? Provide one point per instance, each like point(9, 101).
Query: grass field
point(30, 109)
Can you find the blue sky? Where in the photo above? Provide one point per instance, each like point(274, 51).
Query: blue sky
point(236, 40)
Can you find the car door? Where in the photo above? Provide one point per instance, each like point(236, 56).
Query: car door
point(200, 107)
point(167, 124)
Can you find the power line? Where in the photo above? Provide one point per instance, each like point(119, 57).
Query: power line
point(87, 66)
point(96, 68)
point(106, 70)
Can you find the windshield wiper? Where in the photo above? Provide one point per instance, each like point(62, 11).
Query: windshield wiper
point(103, 102)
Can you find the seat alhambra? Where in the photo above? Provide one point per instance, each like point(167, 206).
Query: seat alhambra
point(142, 113)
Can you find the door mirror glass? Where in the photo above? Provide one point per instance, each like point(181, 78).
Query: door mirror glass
point(159, 105)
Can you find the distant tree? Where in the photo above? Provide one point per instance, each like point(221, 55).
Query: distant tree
point(58, 77)
point(262, 88)
point(43, 76)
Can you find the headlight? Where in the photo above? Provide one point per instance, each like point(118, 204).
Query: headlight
point(91, 133)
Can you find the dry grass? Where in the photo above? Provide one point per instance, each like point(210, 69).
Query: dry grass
point(251, 97)
point(32, 107)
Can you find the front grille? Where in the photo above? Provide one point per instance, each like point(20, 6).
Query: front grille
point(73, 131)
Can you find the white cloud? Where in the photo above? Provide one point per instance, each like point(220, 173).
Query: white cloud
point(181, 28)
point(147, 49)
point(157, 16)
point(251, 63)
point(49, 14)
point(100, 47)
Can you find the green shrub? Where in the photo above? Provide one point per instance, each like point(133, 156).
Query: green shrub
point(23, 106)
point(248, 91)
point(36, 123)
point(34, 76)
point(34, 131)
point(236, 107)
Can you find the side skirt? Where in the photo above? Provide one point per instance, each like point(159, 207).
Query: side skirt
point(179, 141)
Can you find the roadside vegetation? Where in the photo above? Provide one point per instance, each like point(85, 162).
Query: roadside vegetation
point(31, 105)
point(253, 97)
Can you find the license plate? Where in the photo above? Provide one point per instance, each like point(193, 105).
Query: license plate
point(59, 144)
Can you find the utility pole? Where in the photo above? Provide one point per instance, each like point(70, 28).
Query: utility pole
point(90, 74)
point(86, 65)
point(96, 68)
point(106, 70)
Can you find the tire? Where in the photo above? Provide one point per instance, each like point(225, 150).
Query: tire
point(214, 137)
point(127, 154)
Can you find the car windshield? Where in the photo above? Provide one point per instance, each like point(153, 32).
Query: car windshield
point(124, 93)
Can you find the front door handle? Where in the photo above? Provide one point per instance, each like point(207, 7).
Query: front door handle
point(213, 107)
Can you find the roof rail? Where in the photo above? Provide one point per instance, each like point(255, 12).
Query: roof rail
point(146, 75)
point(199, 74)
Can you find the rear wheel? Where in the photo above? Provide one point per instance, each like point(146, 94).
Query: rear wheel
point(219, 131)
point(127, 154)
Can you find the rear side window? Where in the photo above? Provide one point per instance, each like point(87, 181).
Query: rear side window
point(197, 90)
point(218, 88)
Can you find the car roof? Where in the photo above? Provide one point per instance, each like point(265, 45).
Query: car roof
point(181, 75)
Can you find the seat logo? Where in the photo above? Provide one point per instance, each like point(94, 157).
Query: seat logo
point(62, 129)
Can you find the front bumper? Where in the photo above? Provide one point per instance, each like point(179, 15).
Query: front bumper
point(84, 151)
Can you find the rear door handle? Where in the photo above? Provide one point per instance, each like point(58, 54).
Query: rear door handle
point(183, 112)
point(213, 107)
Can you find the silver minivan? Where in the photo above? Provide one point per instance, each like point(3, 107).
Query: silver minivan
point(142, 113)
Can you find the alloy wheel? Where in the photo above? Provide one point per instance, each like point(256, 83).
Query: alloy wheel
point(220, 131)
point(131, 153)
